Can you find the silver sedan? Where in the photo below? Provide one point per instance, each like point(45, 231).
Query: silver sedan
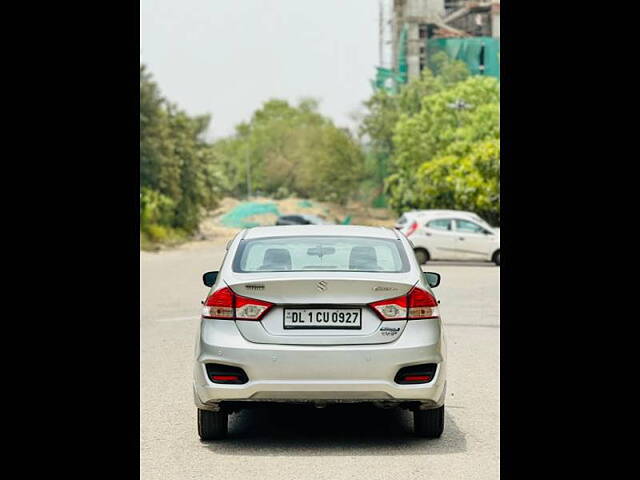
point(320, 314)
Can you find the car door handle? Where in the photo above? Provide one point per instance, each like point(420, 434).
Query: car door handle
point(461, 238)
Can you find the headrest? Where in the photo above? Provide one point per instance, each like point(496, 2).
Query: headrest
point(276, 259)
point(363, 258)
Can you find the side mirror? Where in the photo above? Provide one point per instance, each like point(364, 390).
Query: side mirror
point(432, 278)
point(209, 278)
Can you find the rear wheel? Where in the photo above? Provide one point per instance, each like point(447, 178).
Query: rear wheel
point(429, 423)
point(212, 425)
point(421, 255)
point(496, 258)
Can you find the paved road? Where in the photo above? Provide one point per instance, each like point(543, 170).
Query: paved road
point(307, 443)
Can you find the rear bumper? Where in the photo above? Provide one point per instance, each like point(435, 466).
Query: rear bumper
point(340, 373)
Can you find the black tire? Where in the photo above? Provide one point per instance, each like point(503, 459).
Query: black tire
point(421, 255)
point(496, 258)
point(212, 425)
point(429, 423)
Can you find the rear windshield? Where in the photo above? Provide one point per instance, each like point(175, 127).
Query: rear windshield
point(304, 254)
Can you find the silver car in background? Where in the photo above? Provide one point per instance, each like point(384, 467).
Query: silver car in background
point(320, 314)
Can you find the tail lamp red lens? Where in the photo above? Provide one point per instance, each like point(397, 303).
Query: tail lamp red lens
point(423, 373)
point(225, 378)
point(226, 374)
point(417, 304)
point(226, 304)
point(219, 304)
point(412, 228)
point(417, 378)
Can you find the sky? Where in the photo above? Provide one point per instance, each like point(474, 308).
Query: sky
point(227, 57)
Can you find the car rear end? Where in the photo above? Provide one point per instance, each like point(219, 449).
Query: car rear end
point(322, 317)
point(408, 222)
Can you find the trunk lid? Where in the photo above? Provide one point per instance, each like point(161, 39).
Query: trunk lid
point(326, 292)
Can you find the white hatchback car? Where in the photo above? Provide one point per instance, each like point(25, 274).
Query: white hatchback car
point(452, 235)
point(320, 314)
point(408, 222)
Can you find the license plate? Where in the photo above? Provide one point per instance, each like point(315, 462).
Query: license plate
point(334, 318)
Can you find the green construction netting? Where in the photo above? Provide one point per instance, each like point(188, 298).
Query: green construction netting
point(469, 50)
point(236, 217)
point(403, 66)
point(387, 79)
point(380, 201)
point(390, 79)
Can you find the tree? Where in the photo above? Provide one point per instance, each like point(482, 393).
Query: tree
point(159, 170)
point(467, 182)
point(385, 110)
point(442, 155)
point(180, 175)
point(293, 150)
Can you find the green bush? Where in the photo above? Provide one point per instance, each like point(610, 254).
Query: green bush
point(155, 208)
point(157, 233)
point(153, 236)
point(281, 193)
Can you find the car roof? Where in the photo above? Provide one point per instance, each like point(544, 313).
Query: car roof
point(314, 217)
point(303, 215)
point(310, 230)
point(437, 210)
point(444, 213)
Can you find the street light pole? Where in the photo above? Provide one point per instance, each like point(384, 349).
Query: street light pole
point(458, 105)
point(248, 174)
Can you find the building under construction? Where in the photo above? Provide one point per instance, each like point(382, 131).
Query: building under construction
point(417, 29)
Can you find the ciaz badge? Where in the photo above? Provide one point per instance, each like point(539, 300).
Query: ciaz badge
point(389, 330)
point(384, 289)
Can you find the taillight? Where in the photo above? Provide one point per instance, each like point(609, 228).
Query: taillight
point(219, 305)
point(422, 304)
point(226, 304)
point(251, 308)
point(391, 309)
point(412, 228)
point(416, 304)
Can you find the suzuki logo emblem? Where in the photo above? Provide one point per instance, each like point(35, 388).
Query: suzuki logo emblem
point(322, 285)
